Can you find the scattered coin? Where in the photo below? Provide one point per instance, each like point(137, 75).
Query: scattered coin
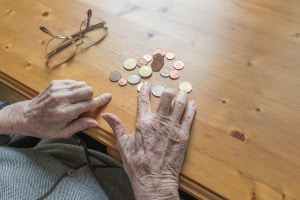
point(145, 71)
point(130, 64)
point(186, 86)
point(174, 74)
point(134, 78)
point(157, 89)
point(122, 81)
point(160, 51)
point(148, 58)
point(157, 63)
point(141, 62)
point(170, 55)
point(139, 87)
point(178, 64)
point(114, 76)
point(165, 71)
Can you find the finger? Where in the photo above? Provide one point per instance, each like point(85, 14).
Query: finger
point(76, 126)
point(179, 106)
point(119, 131)
point(165, 102)
point(143, 101)
point(189, 116)
point(78, 94)
point(85, 106)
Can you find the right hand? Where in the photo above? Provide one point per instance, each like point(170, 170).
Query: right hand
point(153, 154)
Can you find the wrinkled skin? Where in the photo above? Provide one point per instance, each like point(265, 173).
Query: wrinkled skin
point(55, 112)
point(153, 154)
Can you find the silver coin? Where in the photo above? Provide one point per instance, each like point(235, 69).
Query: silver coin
point(157, 89)
point(134, 78)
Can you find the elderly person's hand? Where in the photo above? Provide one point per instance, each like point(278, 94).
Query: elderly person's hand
point(152, 156)
point(55, 112)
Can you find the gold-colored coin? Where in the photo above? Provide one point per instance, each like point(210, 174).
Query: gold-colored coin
point(170, 55)
point(186, 86)
point(148, 58)
point(130, 64)
point(139, 87)
point(178, 64)
point(157, 89)
point(145, 71)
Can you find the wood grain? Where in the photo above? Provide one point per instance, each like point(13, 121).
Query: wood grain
point(241, 57)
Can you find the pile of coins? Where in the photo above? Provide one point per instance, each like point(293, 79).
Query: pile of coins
point(157, 60)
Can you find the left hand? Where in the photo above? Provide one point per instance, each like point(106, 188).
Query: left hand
point(55, 112)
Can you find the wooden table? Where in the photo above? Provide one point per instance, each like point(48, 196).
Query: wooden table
point(242, 58)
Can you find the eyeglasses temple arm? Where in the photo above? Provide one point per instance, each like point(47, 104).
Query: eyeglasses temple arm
point(45, 30)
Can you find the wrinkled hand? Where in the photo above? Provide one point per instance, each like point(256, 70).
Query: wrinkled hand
point(55, 112)
point(152, 156)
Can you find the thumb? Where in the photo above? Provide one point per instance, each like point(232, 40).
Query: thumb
point(115, 123)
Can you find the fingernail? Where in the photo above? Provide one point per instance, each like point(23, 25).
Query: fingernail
point(106, 96)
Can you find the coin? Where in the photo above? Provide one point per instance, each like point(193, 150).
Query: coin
point(178, 64)
point(139, 87)
point(160, 51)
point(145, 71)
point(170, 55)
point(174, 74)
point(165, 71)
point(130, 63)
point(122, 81)
point(141, 62)
point(114, 76)
point(134, 78)
point(148, 58)
point(158, 62)
point(157, 89)
point(186, 86)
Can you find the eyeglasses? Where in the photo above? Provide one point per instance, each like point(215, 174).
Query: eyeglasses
point(61, 48)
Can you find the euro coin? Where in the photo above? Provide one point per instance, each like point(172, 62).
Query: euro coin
point(178, 64)
point(139, 87)
point(165, 71)
point(174, 74)
point(114, 76)
point(145, 71)
point(159, 51)
point(186, 86)
point(170, 55)
point(157, 89)
point(130, 64)
point(134, 78)
point(148, 58)
point(141, 62)
point(122, 81)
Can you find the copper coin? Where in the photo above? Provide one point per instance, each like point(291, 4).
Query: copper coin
point(148, 58)
point(160, 51)
point(157, 56)
point(114, 76)
point(156, 65)
point(165, 71)
point(170, 55)
point(178, 64)
point(174, 74)
point(141, 62)
point(122, 81)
